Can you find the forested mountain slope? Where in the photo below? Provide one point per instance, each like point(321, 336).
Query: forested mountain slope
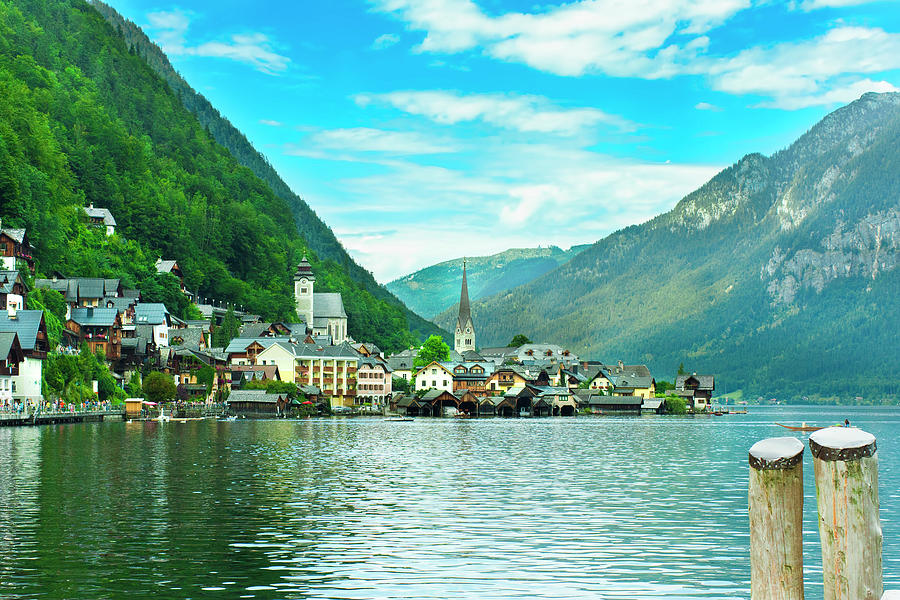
point(779, 275)
point(432, 290)
point(314, 231)
point(84, 119)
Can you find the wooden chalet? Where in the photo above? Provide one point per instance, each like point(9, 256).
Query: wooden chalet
point(15, 251)
point(13, 291)
point(11, 356)
point(100, 328)
point(503, 379)
point(697, 390)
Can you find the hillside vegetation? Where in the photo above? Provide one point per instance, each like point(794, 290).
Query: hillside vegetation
point(432, 290)
point(779, 275)
point(314, 231)
point(84, 119)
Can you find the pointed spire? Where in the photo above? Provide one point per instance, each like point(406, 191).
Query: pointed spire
point(464, 312)
point(304, 270)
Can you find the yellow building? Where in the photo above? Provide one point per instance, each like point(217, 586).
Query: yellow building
point(333, 369)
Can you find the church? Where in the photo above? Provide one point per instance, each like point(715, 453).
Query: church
point(324, 312)
point(464, 337)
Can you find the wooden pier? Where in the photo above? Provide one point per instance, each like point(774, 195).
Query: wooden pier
point(45, 418)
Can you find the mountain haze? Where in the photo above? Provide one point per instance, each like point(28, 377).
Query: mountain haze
point(432, 290)
point(779, 274)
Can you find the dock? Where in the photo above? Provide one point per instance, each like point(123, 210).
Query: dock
point(10, 419)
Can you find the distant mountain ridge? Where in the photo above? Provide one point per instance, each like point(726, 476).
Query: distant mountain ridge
point(432, 290)
point(318, 235)
point(779, 274)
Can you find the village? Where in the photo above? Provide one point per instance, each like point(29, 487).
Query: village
point(312, 366)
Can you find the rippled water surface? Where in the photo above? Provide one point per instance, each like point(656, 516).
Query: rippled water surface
point(589, 507)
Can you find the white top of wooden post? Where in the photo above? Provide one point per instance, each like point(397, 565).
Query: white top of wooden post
point(776, 453)
point(842, 443)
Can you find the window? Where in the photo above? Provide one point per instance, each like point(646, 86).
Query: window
point(304, 290)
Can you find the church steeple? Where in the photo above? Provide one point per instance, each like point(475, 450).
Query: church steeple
point(464, 336)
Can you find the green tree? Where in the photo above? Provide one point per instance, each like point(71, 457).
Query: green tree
point(207, 376)
point(399, 384)
point(165, 288)
point(134, 388)
point(676, 405)
point(227, 331)
point(520, 339)
point(159, 387)
point(434, 349)
point(663, 386)
point(681, 370)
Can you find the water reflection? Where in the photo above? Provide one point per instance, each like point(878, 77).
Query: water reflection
point(555, 508)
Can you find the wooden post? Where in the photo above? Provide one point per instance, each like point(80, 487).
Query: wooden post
point(776, 519)
point(846, 466)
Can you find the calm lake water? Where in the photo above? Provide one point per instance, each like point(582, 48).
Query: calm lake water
point(588, 507)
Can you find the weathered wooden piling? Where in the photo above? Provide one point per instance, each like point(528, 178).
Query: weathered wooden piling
point(776, 519)
point(846, 468)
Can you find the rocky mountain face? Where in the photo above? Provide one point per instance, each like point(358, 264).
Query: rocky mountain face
point(434, 289)
point(779, 274)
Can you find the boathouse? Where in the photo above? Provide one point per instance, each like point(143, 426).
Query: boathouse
point(256, 403)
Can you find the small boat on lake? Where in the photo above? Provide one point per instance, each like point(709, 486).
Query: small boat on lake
point(398, 419)
point(803, 427)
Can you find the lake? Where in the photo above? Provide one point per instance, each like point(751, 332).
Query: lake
point(586, 507)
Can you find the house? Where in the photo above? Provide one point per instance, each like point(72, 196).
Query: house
point(192, 338)
point(373, 381)
point(256, 403)
point(434, 376)
point(324, 312)
point(367, 350)
point(498, 355)
point(171, 267)
point(656, 406)
point(11, 357)
point(100, 328)
point(236, 376)
point(401, 363)
point(333, 369)
point(83, 292)
point(696, 389)
point(470, 376)
point(631, 384)
point(101, 218)
point(155, 315)
point(520, 399)
point(283, 354)
point(13, 291)
point(503, 379)
point(15, 251)
point(30, 328)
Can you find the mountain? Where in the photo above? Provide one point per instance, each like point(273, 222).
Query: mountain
point(314, 231)
point(779, 275)
point(84, 119)
point(432, 290)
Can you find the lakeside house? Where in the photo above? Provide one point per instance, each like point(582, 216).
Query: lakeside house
point(31, 331)
point(11, 356)
point(696, 389)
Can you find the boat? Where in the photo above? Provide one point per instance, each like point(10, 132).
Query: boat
point(228, 418)
point(398, 419)
point(803, 427)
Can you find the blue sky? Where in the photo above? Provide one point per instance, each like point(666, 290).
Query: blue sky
point(425, 130)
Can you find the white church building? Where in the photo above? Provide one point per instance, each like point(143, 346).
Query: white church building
point(324, 312)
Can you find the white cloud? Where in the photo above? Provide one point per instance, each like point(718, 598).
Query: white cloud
point(817, 4)
point(169, 30)
point(365, 139)
point(616, 37)
point(270, 123)
point(514, 194)
point(534, 114)
point(385, 41)
point(708, 106)
point(823, 70)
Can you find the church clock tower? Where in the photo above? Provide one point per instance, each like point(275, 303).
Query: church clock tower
point(464, 337)
point(304, 280)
